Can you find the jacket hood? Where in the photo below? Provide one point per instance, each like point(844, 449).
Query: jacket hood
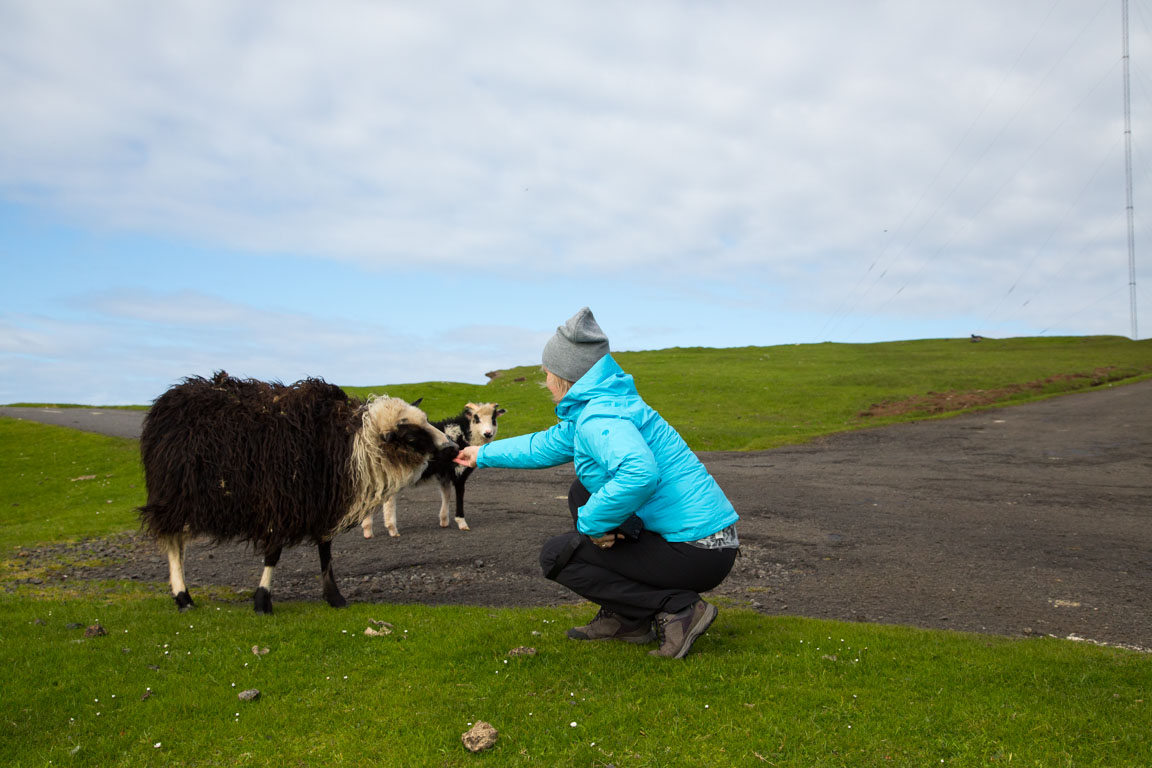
point(604, 378)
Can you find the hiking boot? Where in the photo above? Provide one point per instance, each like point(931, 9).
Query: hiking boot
point(677, 631)
point(608, 626)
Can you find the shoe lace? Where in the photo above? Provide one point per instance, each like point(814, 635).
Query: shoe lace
point(660, 633)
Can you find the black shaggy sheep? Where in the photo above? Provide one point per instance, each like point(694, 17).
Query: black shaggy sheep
point(274, 465)
point(475, 425)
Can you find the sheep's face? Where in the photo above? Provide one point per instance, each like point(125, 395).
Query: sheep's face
point(482, 422)
point(404, 436)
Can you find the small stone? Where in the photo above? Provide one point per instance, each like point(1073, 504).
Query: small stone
point(480, 737)
point(249, 695)
point(95, 631)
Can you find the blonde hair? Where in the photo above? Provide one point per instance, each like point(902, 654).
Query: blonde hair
point(557, 385)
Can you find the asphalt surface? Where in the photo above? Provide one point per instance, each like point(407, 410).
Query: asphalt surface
point(105, 421)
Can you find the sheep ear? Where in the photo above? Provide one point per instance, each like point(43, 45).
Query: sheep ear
point(388, 437)
point(500, 411)
point(417, 403)
point(471, 408)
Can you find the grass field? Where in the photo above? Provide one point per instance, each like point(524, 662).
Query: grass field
point(160, 688)
point(753, 398)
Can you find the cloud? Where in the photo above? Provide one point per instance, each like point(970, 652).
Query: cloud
point(607, 135)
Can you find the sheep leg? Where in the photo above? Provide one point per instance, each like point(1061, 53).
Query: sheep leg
point(328, 578)
point(174, 547)
point(444, 486)
point(264, 591)
point(458, 481)
point(390, 517)
point(366, 526)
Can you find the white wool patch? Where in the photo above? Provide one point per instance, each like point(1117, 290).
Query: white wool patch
point(454, 432)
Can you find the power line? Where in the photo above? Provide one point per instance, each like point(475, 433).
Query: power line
point(1063, 220)
point(1061, 270)
point(971, 168)
point(836, 317)
point(1082, 310)
point(1003, 185)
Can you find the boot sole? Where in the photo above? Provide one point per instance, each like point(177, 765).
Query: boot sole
point(637, 640)
point(641, 640)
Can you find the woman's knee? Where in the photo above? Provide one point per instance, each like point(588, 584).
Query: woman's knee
point(556, 553)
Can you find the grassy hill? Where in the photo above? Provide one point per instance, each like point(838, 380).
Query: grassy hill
point(751, 398)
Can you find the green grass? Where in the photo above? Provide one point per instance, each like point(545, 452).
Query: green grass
point(757, 690)
point(58, 484)
point(753, 398)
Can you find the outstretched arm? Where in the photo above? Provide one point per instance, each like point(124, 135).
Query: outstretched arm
point(467, 456)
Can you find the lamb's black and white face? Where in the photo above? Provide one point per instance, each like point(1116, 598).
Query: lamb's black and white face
point(483, 417)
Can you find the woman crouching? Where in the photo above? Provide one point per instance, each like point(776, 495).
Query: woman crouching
point(653, 528)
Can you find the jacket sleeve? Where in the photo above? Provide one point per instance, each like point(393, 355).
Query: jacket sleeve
point(538, 450)
point(632, 471)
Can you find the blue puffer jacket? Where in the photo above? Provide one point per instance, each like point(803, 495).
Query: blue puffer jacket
point(628, 458)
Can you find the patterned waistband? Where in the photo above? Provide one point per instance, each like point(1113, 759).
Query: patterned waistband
point(725, 539)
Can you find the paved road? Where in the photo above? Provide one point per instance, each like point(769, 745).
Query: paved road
point(104, 421)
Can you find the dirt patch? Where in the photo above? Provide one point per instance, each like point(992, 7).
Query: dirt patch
point(1030, 520)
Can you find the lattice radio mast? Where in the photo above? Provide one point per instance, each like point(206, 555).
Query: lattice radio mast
point(1128, 176)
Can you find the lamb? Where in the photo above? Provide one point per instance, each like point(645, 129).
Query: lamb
point(274, 465)
point(475, 425)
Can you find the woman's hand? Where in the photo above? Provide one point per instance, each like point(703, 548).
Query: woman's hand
point(606, 541)
point(467, 456)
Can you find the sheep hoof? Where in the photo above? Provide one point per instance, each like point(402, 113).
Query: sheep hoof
point(462, 524)
point(263, 601)
point(337, 601)
point(367, 534)
point(184, 601)
point(394, 534)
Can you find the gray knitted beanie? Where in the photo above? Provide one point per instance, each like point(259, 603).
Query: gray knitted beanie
point(577, 346)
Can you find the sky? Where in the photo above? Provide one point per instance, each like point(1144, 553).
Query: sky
point(381, 192)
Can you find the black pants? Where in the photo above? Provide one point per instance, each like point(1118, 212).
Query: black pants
point(634, 579)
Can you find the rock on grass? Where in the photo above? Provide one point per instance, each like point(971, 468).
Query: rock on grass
point(480, 737)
